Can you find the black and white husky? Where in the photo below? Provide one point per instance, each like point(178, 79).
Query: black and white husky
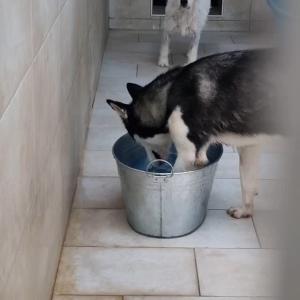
point(188, 18)
point(225, 98)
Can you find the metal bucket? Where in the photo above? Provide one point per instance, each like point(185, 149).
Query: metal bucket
point(163, 204)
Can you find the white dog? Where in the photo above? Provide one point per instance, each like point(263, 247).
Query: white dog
point(187, 17)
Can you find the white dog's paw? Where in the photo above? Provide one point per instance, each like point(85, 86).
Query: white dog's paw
point(240, 212)
point(164, 62)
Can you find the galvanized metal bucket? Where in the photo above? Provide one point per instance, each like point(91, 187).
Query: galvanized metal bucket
point(163, 203)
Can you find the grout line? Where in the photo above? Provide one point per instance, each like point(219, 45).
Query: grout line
point(89, 295)
point(68, 219)
point(197, 273)
point(167, 247)
point(98, 208)
point(256, 232)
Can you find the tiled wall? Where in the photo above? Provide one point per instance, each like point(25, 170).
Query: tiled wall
point(50, 56)
point(238, 15)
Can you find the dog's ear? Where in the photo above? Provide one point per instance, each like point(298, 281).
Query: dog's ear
point(134, 89)
point(120, 108)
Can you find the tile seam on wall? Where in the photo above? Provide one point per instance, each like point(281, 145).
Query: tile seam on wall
point(33, 58)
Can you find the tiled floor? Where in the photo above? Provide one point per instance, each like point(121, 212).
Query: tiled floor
point(103, 259)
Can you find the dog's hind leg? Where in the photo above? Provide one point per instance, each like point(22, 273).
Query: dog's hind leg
point(192, 55)
point(165, 50)
point(249, 167)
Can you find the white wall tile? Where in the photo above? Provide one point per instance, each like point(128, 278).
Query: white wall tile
point(44, 13)
point(15, 48)
point(17, 172)
point(42, 131)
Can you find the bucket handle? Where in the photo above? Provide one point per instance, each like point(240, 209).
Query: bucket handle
point(165, 175)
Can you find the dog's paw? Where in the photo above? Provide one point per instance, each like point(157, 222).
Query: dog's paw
point(163, 62)
point(200, 163)
point(239, 212)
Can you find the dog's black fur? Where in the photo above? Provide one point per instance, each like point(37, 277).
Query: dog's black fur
point(224, 93)
point(228, 98)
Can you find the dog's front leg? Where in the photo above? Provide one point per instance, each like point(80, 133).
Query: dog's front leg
point(187, 156)
point(201, 158)
point(193, 52)
point(249, 167)
point(165, 50)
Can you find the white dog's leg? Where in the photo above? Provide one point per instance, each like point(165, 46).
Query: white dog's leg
point(193, 52)
point(165, 50)
point(249, 167)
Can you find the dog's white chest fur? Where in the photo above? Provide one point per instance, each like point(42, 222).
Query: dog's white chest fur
point(186, 21)
point(182, 22)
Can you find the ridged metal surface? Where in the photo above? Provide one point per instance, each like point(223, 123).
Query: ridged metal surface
point(163, 205)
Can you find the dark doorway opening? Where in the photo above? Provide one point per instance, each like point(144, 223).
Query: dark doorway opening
point(159, 7)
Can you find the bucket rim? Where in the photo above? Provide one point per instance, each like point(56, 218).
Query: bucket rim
point(165, 174)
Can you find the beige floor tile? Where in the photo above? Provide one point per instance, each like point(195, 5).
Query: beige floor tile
point(98, 192)
point(237, 272)
point(228, 166)
point(106, 193)
point(109, 228)
point(117, 56)
point(103, 138)
point(132, 47)
point(124, 35)
point(227, 193)
point(111, 271)
point(99, 163)
point(254, 39)
point(216, 37)
point(271, 166)
point(105, 117)
point(114, 84)
point(267, 224)
point(150, 36)
point(220, 48)
point(180, 59)
point(149, 70)
point(119, 69)
point(104, 93)
point(86, 298)
point(192, 298)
